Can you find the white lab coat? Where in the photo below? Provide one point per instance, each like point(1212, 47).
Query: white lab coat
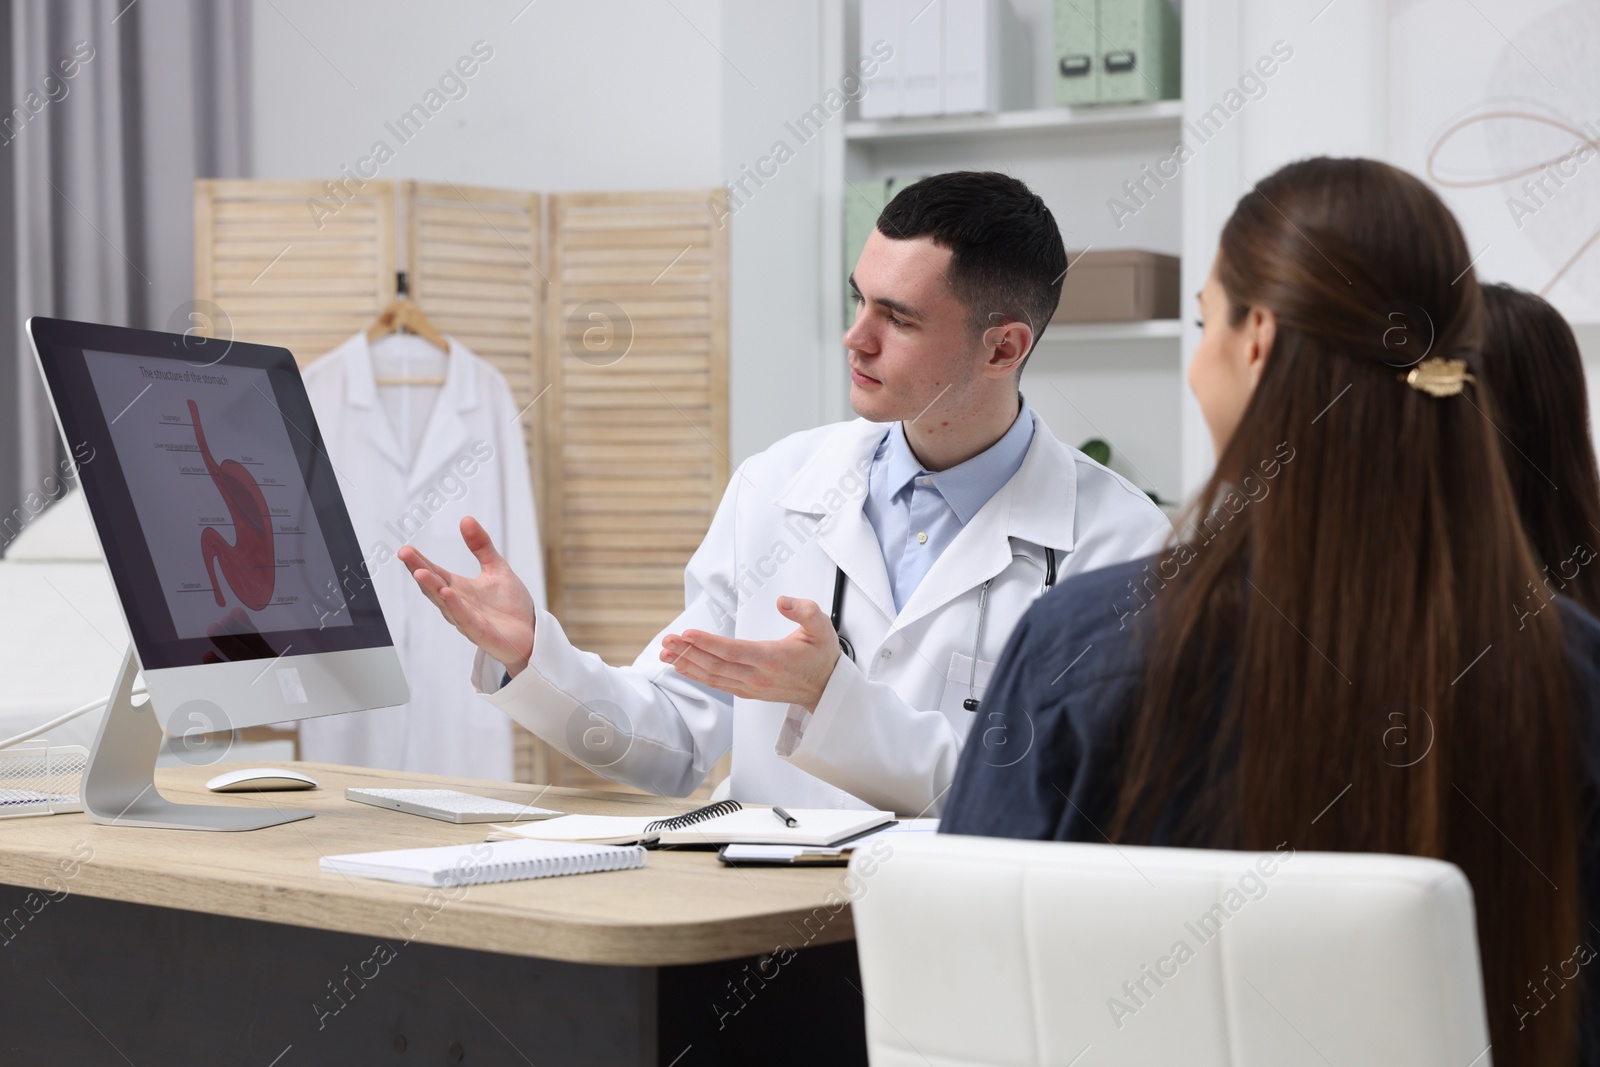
point(889, 727)
point(471, 461)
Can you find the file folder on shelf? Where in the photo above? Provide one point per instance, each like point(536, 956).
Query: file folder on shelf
point(947, 57)
point(1077, 53)
point(1139, 46)
point(880, 21)
point(971, 69)
point(920, 81)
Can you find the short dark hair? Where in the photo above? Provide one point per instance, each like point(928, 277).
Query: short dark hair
point(1007, 261)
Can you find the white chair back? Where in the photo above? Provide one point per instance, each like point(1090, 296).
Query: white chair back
point(989, 951)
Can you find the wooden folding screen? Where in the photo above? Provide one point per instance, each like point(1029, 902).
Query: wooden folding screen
point(282, 263)
point(637, 460)
point(473, 260)
point(610, 326)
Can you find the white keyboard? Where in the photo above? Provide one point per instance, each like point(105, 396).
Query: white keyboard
point(448, 805)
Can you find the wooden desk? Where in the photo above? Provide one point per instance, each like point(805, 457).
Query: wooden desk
point(168, 947)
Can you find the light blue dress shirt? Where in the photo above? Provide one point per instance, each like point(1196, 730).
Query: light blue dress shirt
point(917, 513)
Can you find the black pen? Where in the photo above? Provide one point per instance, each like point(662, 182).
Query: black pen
point(785, 817)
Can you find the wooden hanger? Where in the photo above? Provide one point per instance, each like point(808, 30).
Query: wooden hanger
point(404, 316)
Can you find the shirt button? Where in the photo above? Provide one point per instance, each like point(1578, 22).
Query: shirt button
point(922, 538)
point(927, 481)
point(885, 654)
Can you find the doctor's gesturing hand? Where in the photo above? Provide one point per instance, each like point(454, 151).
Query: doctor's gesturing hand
point(494, 610)
point(794, 670)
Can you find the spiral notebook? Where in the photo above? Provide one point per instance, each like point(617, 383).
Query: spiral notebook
point(507, 861)
point(723, 823)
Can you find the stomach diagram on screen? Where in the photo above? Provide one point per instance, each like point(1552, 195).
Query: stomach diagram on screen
point(249, 563)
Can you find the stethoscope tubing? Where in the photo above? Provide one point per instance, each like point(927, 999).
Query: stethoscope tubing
point(836, 616)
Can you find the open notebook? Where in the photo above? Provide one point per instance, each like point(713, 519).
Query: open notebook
point(723, 823)
point(507, 861)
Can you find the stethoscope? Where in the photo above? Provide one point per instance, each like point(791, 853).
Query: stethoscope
point(971, 703)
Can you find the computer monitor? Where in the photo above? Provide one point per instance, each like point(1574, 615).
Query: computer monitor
point(227, 538)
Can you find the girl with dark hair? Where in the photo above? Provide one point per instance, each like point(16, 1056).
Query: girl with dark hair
point(1532, 366)
point(1336, 653)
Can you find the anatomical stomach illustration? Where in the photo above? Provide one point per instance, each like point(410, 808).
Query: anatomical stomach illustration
point(249, 563)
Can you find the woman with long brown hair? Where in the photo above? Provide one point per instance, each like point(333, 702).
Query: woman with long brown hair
point(1338, 653)
point(1532, 365)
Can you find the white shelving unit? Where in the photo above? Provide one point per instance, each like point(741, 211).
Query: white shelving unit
point(1093, 332)
point(1163, 114)
point(1122, 381)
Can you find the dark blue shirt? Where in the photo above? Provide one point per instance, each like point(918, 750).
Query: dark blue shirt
point(1041, 758)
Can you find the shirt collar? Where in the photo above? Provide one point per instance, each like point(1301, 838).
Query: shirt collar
point(968, 485)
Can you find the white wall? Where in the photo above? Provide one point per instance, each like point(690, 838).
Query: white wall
point(1389, 79)
point(648, 94)
point(611, 95)
point(1477, 112)
point(776, 330)
point(1328, 97)
point(1531, 62)
point(626, 94)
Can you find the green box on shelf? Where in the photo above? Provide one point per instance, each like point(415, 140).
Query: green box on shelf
point(864, 201)
point(1077, 53)
point(1139, 45)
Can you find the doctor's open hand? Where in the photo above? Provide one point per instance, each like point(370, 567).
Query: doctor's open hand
point(794, 670)
point(494, 610)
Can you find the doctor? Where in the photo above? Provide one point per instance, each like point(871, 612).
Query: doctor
point(859, 580)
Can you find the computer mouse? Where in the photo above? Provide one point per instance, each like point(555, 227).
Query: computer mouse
point(260, 780)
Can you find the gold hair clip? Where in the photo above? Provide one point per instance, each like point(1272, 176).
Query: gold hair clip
point(1439, 377)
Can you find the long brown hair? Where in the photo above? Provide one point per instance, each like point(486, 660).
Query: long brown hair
point(1341, 665)
point(1532, 365)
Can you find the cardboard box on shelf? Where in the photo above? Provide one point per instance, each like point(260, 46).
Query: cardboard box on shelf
point(1119, 285)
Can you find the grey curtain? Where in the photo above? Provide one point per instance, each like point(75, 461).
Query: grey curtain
point(112, 109)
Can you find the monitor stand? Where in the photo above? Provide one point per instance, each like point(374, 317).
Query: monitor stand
point(119, 788)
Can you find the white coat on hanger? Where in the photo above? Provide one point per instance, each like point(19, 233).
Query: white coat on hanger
point(470, 460)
